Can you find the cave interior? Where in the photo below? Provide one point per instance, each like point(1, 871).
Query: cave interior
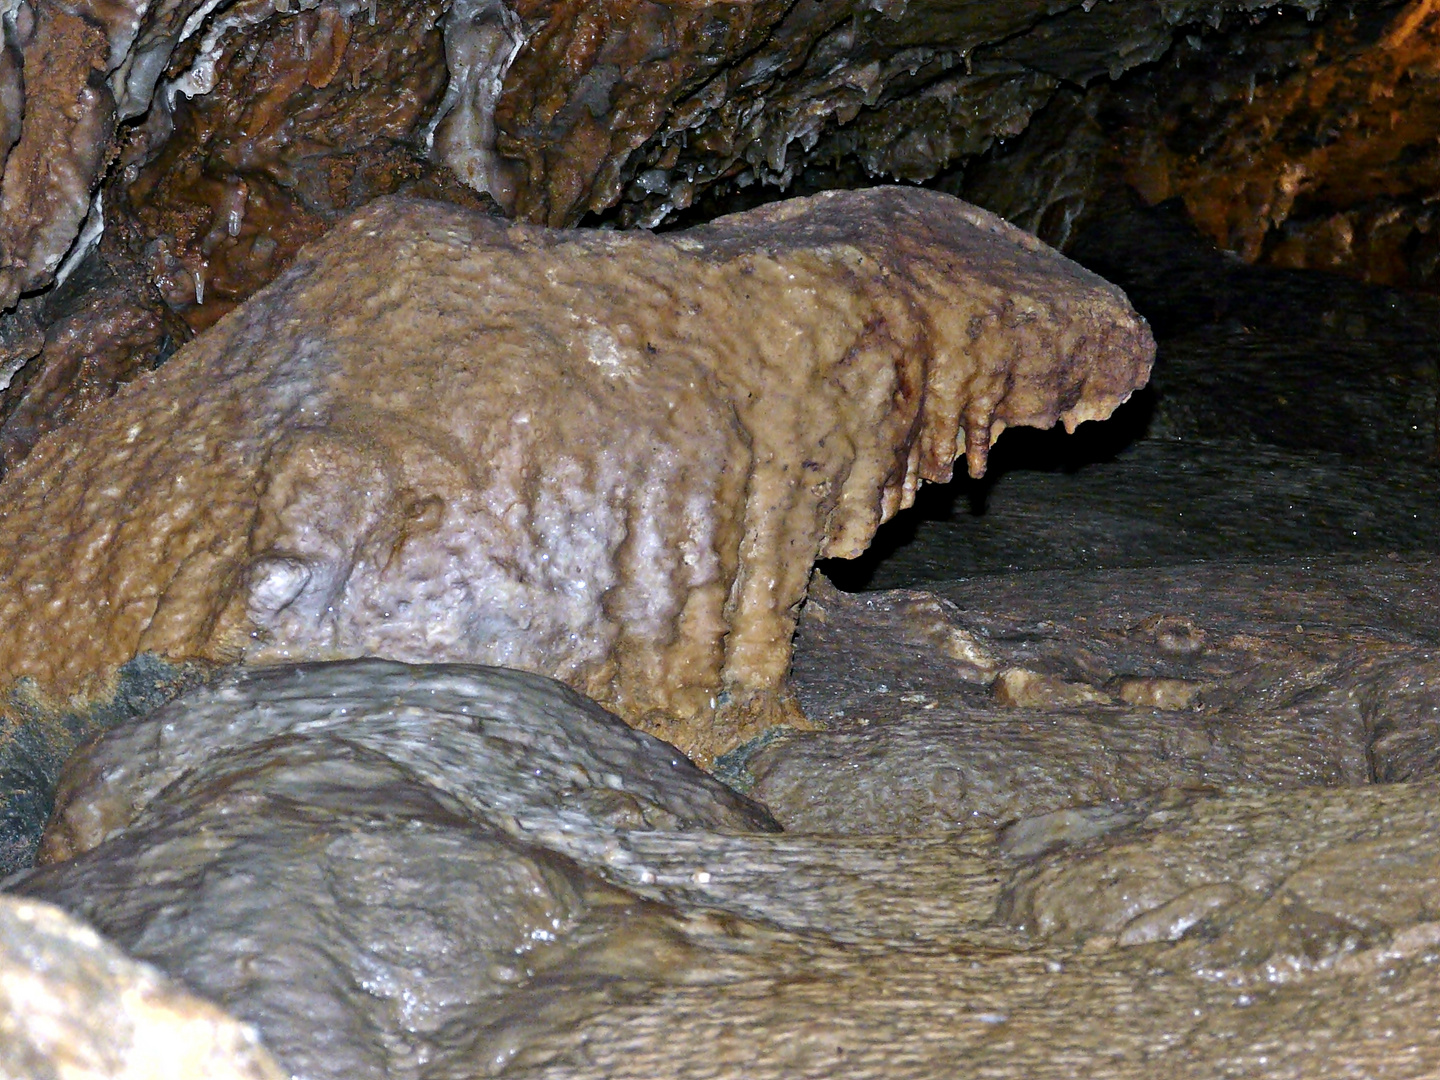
point(1261, 179)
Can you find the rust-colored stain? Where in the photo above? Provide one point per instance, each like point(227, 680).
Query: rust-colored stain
point(1315, 168)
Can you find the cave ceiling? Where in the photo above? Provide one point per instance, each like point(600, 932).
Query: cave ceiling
point(1298, 144)
point(163, 161)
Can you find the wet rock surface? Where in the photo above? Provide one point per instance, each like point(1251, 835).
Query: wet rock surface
point(500, 742)
point(1315, 144)
point(1073, 820)
point(655, 103)
point(283, 124)
point(364, 859)
point(1100, 687)
point(214, 138)
point(421, 871)
point(554, 109)
point(72, 1004)
point(1112, 1009)
point(1162, 802)
point(218, 138)
point(68, 350)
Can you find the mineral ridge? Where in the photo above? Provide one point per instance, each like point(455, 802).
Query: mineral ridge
point(612, 458)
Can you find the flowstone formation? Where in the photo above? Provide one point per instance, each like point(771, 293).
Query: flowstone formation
point(433, 841)
point(611, 458)
point(552, 108)
point(525, 754)
point(165, 161)
point(1199, 844)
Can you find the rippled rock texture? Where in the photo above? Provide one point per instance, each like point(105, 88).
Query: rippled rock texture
point(1288, 413)
point(523, 753)
point(612, 458)
point(1009, 696)
point(459, 872)
point(364, 859)
point(72, 1004)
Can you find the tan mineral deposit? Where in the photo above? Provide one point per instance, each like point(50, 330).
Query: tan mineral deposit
point(612, 458)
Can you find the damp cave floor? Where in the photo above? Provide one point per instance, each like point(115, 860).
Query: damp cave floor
point(1161, 501)
point(1290, 413)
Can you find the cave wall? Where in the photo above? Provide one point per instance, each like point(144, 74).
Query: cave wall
point(161, 163)
point(1295, 142)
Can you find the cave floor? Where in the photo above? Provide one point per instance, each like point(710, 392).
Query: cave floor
point(1161, 501)
point(1122, 823)
point(1288, 413)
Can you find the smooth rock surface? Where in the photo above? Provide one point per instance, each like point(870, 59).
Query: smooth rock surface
point(1358, 980)
point(73, 1005)
point(610, 458)
point(363, 859)
point(522, 754)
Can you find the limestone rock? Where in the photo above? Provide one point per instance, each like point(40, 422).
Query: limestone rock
point(610, 458)
point(1296, 675)
point(70, 348)
point(1256, 886)
point(363, 859)
point(554, 107)
point(270, 127)
point(523, 754)
point(1224, 131)
point(73, 1005)
point(327, 895)
point(314, 847)
point(1306, 986)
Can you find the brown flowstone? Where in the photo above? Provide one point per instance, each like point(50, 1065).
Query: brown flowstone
point(610, 458)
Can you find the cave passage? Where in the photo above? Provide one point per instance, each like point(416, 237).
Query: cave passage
point(1290, 413)
point(1120, 760)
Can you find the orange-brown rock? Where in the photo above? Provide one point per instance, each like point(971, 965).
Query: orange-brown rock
point(311, 114)
point(608, 457)
point(80, 343)
point(284, 114)
point(1292, 143)
point(1324, 165)
point(647, 103)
